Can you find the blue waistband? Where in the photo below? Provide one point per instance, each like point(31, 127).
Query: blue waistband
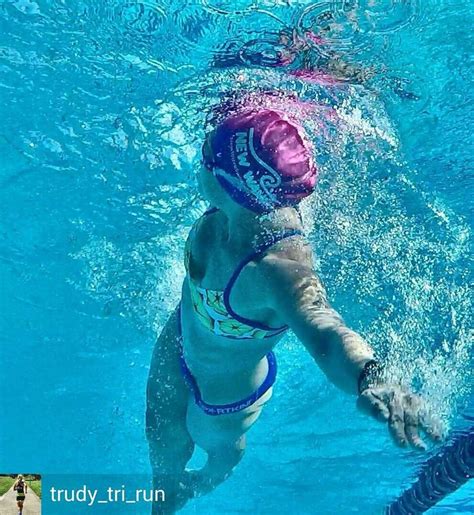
point(222, 409)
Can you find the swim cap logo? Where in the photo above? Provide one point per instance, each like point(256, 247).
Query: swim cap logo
point(261, 185)
point(241, 149)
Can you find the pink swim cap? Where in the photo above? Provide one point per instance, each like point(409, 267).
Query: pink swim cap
point(262, 160)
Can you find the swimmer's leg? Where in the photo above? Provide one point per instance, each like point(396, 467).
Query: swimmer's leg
point(221, 462)
point(170, 444)
point(223, 438)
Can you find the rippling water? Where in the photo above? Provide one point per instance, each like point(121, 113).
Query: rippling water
point(102, 116)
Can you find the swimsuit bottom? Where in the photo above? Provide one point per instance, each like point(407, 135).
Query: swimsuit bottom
point(223, 409)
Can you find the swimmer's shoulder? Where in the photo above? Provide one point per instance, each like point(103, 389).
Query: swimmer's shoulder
point(296, 249)
point(285, 261)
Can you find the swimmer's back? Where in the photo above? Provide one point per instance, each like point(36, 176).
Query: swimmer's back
point(212, 261)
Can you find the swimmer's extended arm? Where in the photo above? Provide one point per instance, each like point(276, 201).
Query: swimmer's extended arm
point(300, 300)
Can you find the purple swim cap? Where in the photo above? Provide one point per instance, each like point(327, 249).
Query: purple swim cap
point(262, 160)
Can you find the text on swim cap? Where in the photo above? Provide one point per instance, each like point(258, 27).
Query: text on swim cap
point(261, 186)
point(241, 149)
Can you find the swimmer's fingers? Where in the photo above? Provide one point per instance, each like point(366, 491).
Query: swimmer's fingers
point(369, 403)
point(432, 425)
point(396, 421)
point(417, 414)
point(412, 422)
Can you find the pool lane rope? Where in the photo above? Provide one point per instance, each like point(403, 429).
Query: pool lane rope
point(441, 475)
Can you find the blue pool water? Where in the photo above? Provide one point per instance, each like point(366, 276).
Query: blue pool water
point(102, 115)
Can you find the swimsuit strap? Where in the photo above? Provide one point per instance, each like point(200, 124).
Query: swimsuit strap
point(275, 238)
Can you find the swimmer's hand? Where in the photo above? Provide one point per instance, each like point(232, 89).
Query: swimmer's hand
point(405, 412)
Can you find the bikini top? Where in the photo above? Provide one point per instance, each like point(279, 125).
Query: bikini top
point(212, 307)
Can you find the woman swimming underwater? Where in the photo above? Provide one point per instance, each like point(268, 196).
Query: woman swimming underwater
point(250, 279)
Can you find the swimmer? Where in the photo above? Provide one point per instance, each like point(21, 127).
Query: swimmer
point(309, 55)
point(249, 280)
point(294, 51)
